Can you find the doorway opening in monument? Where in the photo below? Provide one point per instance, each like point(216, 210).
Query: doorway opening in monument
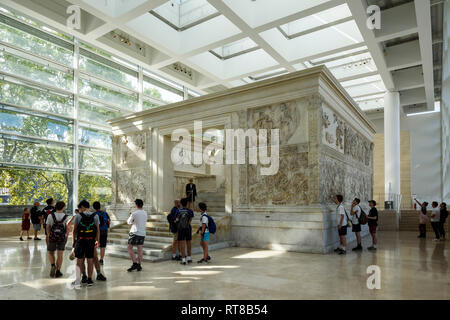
point(209, 179)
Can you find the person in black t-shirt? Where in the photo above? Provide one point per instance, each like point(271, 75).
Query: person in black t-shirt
point(49, 209)
point(36, 219)
point(373, 224)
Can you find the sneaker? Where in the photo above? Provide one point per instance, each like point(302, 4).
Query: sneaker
point(208, 258)
point(178, 258)
point(58, 274)
point(52, 271)
point(29, 238)
point(201, 261)
point(183, 262)
point(436, 240)
point(101, 262)
point(372, 248)
point(358, 248)
point(133, 267)
point(20, 239)
point(139, 268)
point(84, 279)
point(189, 261)
point(37, 238)
point(76, 285)
point(174, 258)
point(90, 283)
point(337, 249)
point(342, 252)
point(101, 277)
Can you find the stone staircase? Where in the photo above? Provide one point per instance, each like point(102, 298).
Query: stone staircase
point(214, 200)
point(410, 221)
point(158, 242)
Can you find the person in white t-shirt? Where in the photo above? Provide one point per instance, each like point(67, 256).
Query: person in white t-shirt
point(204, 224)
point(356, 226)
point(138, 221)
point(342, 223)
point(435, 219)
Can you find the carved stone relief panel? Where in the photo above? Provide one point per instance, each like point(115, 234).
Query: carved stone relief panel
point(333, 130)
point(357, 147)
point(288, 187)
point(132, 148)
point(132, 184)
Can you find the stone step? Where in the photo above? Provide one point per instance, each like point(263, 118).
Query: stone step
point(149, 237)
point(147, 243)
point(125, 255)
point(121, 245)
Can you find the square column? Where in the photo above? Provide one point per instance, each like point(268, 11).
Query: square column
point(392, 144)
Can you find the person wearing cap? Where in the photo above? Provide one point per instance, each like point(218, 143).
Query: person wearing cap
point(373, 224)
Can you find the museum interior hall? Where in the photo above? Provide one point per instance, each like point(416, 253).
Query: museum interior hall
point(309, 139)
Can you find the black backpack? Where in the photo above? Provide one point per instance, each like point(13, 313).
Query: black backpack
point(171, 220)
point(362, 217)
point(183, 218)
point(86, 228)
point(58, 229)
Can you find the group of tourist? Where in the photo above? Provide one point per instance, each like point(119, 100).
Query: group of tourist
point(180, 218)
point(439, 214)
point(89, 232)
point(357, 218)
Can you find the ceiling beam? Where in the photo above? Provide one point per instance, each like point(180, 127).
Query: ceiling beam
point(402, 56)
point(423, 13)
point(250, 32)
point(397, 22)
point(359, 12)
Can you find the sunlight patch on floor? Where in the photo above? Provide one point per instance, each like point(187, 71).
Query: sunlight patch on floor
point(259, 254)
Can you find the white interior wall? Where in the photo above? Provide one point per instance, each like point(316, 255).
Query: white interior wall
point(426, 173)
point(445, 107)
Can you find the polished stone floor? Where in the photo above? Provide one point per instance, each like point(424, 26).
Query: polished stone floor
point(410, 269)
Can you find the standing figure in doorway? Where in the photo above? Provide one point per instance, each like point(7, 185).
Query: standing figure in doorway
point(191, 193)
point(436, 219)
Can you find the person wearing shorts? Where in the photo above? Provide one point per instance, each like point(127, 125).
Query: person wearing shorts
point(86, 233)
point(36, 217)
point(57, 222)
point(184, 231)
point(355, 213)
point(373, 224)
point(138, 221)
point(204, 231)
point(342, 223)
point(173, 229)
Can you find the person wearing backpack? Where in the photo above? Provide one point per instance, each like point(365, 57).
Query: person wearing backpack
point(171, 217)
point(184, 230)
point(443, 218)
point(105, 221)
point(138, 221)
point(45, 213)
point(373, 224)
point(86, 233)
point(204, 229)
point(57, 237)
point(355, 213)
point(36, 217)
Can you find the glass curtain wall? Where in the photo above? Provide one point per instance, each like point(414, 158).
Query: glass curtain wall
point(56, 95)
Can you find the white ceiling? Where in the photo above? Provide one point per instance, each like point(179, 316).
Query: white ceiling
point(232, 42)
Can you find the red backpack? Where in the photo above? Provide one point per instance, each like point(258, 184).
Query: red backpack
point(58, 229)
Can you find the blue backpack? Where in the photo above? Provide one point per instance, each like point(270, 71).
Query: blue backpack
point(211, 225)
